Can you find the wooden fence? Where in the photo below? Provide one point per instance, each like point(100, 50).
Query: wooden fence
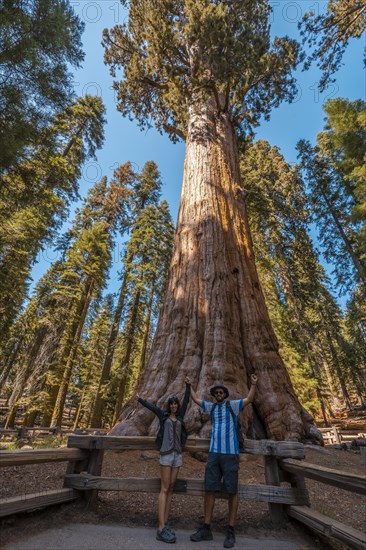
point(22, 432)
point(283, 461)
point(336, 436)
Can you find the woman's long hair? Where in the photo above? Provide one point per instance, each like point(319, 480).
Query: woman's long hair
point(172, 399)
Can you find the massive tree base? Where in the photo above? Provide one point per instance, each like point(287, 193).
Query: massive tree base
point(214, 325)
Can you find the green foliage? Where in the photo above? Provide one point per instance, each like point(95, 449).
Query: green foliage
point(62, 298)
point(329, 34)
point(86, 379)
point(335, 175)
point(172, 55)
point(355, 329)
point(40, 39)
point(62, 337)
point(304, 314)
point(35, 196)
point(146, 266)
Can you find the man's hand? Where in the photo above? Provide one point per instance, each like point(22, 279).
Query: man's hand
point(254, 379)
point(250, 397)
point(194, 396)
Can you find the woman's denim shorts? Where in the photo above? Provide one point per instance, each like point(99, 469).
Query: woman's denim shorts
point(172, 459)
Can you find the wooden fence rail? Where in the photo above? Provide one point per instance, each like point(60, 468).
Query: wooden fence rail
point(283, 461)
point(336, 436)
point(193, 487)
point(23, 431)
point(343, 480)
point(41, 499)
point(40, 456)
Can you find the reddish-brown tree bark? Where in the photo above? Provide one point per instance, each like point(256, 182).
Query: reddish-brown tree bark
point(214, 325)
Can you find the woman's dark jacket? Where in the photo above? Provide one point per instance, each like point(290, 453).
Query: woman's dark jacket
point(163, 415)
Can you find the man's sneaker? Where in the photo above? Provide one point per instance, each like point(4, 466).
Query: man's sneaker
point(203, 533)
point(165, 535)
point(229, 542)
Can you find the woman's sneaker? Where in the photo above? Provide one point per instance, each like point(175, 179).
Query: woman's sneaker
point(169, 527)
point(203, 533)
point(165, 535)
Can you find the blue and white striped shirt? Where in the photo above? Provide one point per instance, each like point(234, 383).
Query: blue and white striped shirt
point(223, 434)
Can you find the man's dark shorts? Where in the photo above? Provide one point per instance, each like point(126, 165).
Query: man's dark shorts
point(222, 466)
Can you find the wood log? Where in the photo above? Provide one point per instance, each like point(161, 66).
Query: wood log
point(37, 456)
point(343, 480)
point(266, 447)
point(328, 527)
point(193, 487)
point(34, 501)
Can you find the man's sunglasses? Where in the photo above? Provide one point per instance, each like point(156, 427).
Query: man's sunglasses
point(218, 392)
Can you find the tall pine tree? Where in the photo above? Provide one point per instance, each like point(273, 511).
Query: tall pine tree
point(34, 197)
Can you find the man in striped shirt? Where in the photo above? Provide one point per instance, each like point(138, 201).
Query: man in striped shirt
point(223, 457)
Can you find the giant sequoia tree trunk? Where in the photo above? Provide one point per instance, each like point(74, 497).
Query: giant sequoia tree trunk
point(214, 325)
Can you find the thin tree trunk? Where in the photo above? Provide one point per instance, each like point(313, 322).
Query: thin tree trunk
point(147, 327)
point(125, 363)
point(214, 325)
point(30, 418)
point(347, 243)
point(56, 420)
point(22, 380)
point(97, 412)
point(79, 409)
point(9, 364)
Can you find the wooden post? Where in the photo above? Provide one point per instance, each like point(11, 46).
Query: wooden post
point(91, 465)
point(78, 466)
point(336, 435)
point(94, 468)
point(277, 511)
point(362, 446)
point(298, 482)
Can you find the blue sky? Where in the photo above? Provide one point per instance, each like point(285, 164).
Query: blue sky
point(124, 142)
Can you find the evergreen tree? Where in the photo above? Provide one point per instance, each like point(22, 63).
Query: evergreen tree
point(35, 197)
point(66, 293)
point(145, 191)
point(89, 258)
point(329, 33)
point(305, 316)
point(33, 344)
point(147, 262)
point(40, 39)
point(355, 330)
point(335, 175)
point(95, 349)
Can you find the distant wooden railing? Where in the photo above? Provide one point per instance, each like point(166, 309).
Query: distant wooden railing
point(283, 461)
point(24, 431)
point(336, 436)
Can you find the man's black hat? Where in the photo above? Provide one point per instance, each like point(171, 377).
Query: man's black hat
point(219, 387)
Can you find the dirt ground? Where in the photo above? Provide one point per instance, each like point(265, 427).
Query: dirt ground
point(139, 509)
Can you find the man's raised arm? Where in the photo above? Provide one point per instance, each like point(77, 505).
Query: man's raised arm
point(193, 393)
point(250, 397)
